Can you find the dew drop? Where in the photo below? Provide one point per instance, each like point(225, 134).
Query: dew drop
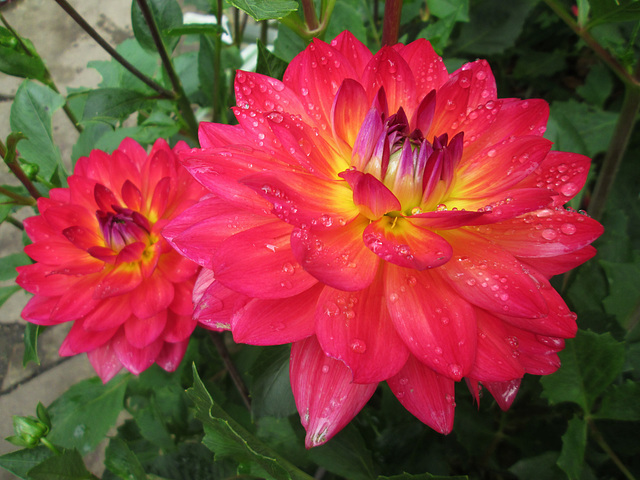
point(549, 234)
point(568, 189)
point(325, 369)
point(568, 228)
point(358, 346)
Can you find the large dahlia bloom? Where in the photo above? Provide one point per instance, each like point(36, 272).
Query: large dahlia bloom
point(102, 263)
point(394, 222)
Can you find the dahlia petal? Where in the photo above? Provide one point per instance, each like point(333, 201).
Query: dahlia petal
point(353, 50)
point(545, 233)
point(438, 327)
point(325, 396)
point(151, 296)
point(483, 85)
point(451, 104)
point(141, 332)
point(266, 267)
point(57, 252)
point(372, 197)
point(38, 229)
point(445, 220)
point(161, 196)
point(214, 303)
point(496, 354)
point(535, 353)
point(355, 327)
point(182, 303)
point(562, 172)
point(428, 396)
point(77, 302)
point(276, 322)
point(131, 196)
point(38, 311)
point(388, 70)
point(105, 362)
point(178, 328)
point(427, 66)
point(503, 392)
point(398, 241)
point(317, 91)
point(161, 164)
point(41, 279)
point(135, 152)
point(491, 278)
point(304, 200)
point(511, 161)
point(136, 360)
point(506, 205)
point(104, 197)
point(82, 238)
point(551, 266)
point(337, 257)
point(80, 340)
point(130, 253)
point(171, 355)
point(177, 268)
point(214, 135)
point(109, 313)
point(122, 279)
point(350, 107)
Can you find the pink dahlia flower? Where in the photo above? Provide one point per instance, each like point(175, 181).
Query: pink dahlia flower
point(102, 263)
point(394, 222)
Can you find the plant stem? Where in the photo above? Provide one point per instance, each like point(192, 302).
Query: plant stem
point(607, 449)
point(18, 199)
point(391, 26)
point(9, 156)
point(217, 66)
point(183, 102)
point(168, 94)
point(218, 342)
point(616, 150)
point(310, 17)
point(15, 222)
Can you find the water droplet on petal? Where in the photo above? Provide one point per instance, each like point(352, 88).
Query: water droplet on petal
point(358, 346)
point(549, 234)
point(568, 228)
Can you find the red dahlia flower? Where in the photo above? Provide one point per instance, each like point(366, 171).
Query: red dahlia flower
point(102, 264)
point(394, 222)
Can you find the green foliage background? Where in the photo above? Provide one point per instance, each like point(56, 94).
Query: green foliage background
point(579, 423)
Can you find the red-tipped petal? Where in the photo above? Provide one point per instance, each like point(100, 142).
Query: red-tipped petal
point(372, 197)
point(171, 355)
point(110, 312)
point(551, 266)
point(355, 327)
point(141, 332)
point(80, 340)
point(427, 66)
point(349, 110)
point(325, 396)
point(152, 296)
point(105, 362)
point(136, 360)
point(435, 323)
point(503, 392)
point(427, 395)
point(353, 50)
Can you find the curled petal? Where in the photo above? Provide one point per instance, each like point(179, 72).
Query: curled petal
point(355, 327)
point(372, 197)
point(349, 110)
point(337, 257)
point(427, 395)
point(214, 303)
point(325, 395)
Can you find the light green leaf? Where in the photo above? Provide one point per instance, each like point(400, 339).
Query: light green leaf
point(266, 9)
point(31, 113)
point(21, 461)
point(15, 61)
point(110, 104)
point(574, 443)
point(590, 362)
point(30, 338)
point(9, 263)
point(68, 466)
point(83, 415)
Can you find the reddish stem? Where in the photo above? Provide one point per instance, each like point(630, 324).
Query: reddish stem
point(391, 26)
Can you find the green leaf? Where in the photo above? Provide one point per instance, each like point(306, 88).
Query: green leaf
point(621, 403)
point(109, 104)
point(167, 15)
point(152, 427)
point(269, 64)
point(121, 461)
point(31, 113)
point(423, 476)
point(488, 17)
point(196, 29)
point(88, 139)
point(580, 128)
point(271, 391)
point(266, 9)
point(225, 437)
point(541, 466)
point(21, 461)
point(346, 17)
point(30, 338)
point(574, 443)
point(447, 8)
point(597, 86)
point(6, 292)
point(624, 289)
point(14, 60)
point(346, 455)
point(83, 415)
point(590, 362)
point(68, 466)
point(287, 44)
point(609, 11)
point(9, 263)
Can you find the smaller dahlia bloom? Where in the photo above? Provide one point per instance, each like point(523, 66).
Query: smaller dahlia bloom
point(102, 263)
point(394, 222)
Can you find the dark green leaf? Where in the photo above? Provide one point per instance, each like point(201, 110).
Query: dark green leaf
point(590, 362)
point(167, 15)
point(68, 466)
point(225, 437)
point(152, 427)
point(271, 391)
point(624, 289)
point(83, 415)
point(346, 17)
point(14, 61)
point(121, 460)
point(109, 104)
point(6, 292)
point(195, 29)
point(597, 86)
point(488, 17)
point(269, 64)
point(447, 8)
point(266, 9)
point(287, 44)
point(621, 403)
point(609, 11)
point(574, 442)
point(423, 476)
point(206, 55)
point(537, 467)
point(30, 337)
point(9, 263)
point(31, 114)
point(346, 455)
point(21, 461)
